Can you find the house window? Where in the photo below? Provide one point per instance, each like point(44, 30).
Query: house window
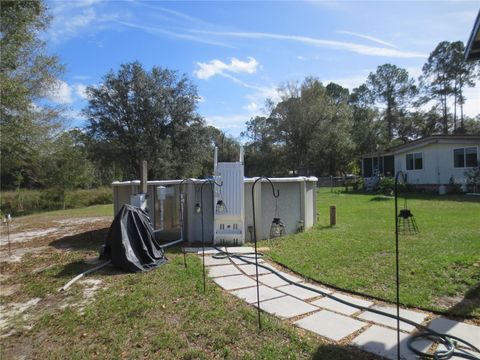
point(465, 157)
point(415, 161)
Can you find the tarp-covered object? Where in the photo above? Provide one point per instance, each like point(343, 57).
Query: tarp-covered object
point(131, 243)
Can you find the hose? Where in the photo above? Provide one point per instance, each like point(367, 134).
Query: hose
point(78, 277)
point(449, 341)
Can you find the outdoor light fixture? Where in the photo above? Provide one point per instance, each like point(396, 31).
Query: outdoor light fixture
point(277, 228)
point(198, 208)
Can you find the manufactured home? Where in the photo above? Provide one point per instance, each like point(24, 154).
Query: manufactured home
point(428, 162)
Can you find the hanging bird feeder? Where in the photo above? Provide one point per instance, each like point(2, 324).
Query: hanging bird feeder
point(277, 228)
point(406, 222)
point(220, 207)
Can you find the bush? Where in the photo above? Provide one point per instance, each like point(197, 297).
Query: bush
point(23, 202)
point(453, 186)
point(386, 185)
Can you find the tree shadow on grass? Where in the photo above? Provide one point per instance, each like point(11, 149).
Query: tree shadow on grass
point(88, 241)
point(381, 198)
point(340, 352)
point(421, 196)
point(469, 304)
point(77, 267)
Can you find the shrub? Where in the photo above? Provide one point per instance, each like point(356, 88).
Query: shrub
point(453, 186)
point(386, 185)
point(23, 202)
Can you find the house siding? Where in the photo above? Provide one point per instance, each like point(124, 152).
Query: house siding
point(438, 164)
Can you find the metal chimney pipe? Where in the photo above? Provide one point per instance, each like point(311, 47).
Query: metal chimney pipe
point(143, 177)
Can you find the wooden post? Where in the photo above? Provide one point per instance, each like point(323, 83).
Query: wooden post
point(333, 215)
point(143, 177)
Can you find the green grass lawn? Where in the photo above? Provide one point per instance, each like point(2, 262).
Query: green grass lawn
point(161, 314)
point(440, 267)
point(94, 210)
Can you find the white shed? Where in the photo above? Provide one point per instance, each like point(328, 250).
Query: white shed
point(296, 205)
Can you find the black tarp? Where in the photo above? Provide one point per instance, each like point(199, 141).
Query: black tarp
point(131, 243)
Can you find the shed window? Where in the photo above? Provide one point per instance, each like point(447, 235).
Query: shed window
point(465, 157)
point(415, 161)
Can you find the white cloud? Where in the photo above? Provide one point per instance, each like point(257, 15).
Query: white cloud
point(217, 67)
point(200, 99)
point(367, 37)
point(332, 44)
point(61, 93)
point(300, 57)
point(81, 91)
point(65, 26)
point(81, 77)
point(174, 34)
point(252, 106)
point(349, 82)
point(235, 121)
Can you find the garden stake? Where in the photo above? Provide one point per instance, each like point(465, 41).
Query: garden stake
point(213, 182)
point(397, 275)
point(255, 238)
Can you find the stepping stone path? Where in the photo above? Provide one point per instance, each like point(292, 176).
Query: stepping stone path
point(322, 314)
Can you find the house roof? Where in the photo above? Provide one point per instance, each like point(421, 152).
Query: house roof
point(434, 139)
point(472, 50)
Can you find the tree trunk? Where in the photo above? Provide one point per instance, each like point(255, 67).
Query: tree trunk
point(455, 107)
point(445, 118)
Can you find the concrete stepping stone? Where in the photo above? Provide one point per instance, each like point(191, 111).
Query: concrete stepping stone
point(250, 294)
point(272, 280)
point(467, 332)
point(383, 342)
point(292, 278)
point(334, 305)
point(211, 261)
point(298, 292)
point(208, 250)
point(415, 316)
point(330, 325)
point(250, 269)
point(223, 270)
point(234, 282)
point(250, 258)
point(286, 307)
point(320, 288)
point(239, 249)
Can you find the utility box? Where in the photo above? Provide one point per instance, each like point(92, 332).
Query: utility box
point(139, 201)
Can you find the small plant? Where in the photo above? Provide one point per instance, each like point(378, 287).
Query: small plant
point(358, 184)
point(453, 186)
point(473, 178)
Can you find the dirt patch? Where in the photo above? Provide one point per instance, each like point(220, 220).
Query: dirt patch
point(54, 227)
point(13, 312)
point(448, 301)
point(16, 254)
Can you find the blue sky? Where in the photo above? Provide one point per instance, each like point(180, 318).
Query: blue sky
point(238, 53)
